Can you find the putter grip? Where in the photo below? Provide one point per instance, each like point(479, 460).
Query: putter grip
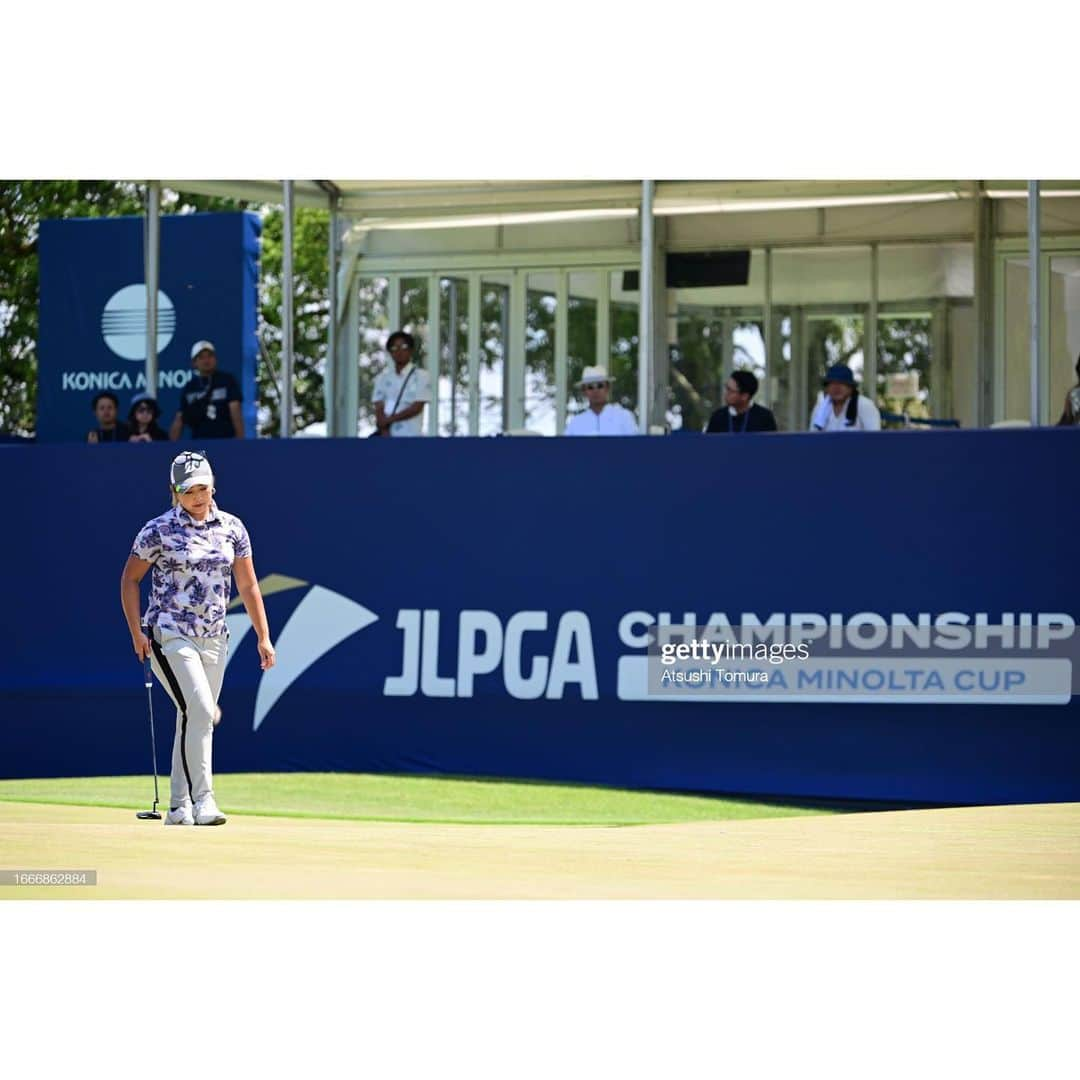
point(147, 676)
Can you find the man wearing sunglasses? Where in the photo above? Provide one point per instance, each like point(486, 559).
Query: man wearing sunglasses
point(601, 417)
point(738, 414)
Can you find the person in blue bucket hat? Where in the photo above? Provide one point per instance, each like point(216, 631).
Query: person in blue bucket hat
point(840, 406)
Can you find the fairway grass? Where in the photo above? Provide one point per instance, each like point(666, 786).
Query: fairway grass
point(371, 797)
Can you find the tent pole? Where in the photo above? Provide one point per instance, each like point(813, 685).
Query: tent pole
point(452, 342)
point(645, 306)
point(152, 273)
point(1034, 297)
point(870, 331)
point(767, 333)
point(287, 315)
point(330, 386)
point(983, 404)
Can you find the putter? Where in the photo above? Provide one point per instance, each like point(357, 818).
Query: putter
point(151, 815)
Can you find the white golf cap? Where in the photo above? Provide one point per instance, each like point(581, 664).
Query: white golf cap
point(188, 469)
point(199, 346)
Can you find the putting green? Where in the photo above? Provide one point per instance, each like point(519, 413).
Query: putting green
point(995, 852)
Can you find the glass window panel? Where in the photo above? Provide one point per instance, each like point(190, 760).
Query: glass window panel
point(918, 282)
point(781, 383)
point(494, 334)
point(414, 320)
point(1063, 301)
point(453, 364)
point(414, 307)
point(374, 329)
point(904, 365)
point(540, 390)
point(748, 347)
point(1017, 343)
point(581, 334)
point(961, 401)
point(623, 359)
point(697, 368)
point(1064, 286)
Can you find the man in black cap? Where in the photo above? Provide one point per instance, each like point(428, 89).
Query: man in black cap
point(210, 403)
point(739, 415)
point(109, 429)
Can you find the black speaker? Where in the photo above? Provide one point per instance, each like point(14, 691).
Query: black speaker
point(698, 270)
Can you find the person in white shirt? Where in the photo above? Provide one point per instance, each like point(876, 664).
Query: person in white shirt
point(401, 391)
point(601, 417)
point(840, 406)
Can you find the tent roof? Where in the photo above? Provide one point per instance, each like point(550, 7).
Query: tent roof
point(376, 200)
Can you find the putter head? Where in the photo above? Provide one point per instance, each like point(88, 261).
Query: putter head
point(148, 815)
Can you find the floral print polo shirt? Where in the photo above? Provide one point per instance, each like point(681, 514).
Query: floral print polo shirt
point(192, 574)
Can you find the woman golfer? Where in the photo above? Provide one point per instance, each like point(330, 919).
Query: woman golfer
point(192, 549)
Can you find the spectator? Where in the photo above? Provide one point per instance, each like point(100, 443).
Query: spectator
point(210, 403)
point(406, 385)
point(143, 420)
point(840, 406)
point(1070, 416)
point(600, 418)
point(739, 414)
point(105, 406)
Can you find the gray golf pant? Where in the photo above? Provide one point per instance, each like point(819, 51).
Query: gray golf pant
point(191, 670)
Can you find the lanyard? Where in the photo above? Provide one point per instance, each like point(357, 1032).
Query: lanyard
point(745, 421)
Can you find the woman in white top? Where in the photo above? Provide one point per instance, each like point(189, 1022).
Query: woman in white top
point(840, 406)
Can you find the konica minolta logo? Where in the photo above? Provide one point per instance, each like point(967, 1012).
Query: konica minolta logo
point(123, 322)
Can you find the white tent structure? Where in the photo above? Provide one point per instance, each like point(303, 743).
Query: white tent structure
point(994, 266)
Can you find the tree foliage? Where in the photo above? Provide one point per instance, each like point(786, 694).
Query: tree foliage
point(25, 203)
point(311, 317)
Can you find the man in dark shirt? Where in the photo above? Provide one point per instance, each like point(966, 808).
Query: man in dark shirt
point(108, 429)
point(739, 415)
point(210, 403)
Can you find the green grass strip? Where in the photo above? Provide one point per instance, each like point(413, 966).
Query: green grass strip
point(371, 797)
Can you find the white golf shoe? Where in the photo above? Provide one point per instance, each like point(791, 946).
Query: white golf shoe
point(180, 816)
point(207, 812)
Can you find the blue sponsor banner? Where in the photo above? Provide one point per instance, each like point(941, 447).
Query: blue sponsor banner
point(92, 326)
point(483, 607)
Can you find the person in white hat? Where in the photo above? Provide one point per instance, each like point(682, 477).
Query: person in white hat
point(601, 417)
point(194, 550)
point(210, 402)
